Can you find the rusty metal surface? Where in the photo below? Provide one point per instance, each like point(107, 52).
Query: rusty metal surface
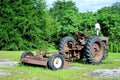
point(105, 55)
point(81, 38)
point(40, 61)
point(35, 61)
point(96, 50)
point(41, 53)
point(105, 40)
point(66, 64)
point(72, 51)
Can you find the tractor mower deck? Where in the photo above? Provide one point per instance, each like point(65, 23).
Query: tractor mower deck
point(35, 61)
point(54, 62)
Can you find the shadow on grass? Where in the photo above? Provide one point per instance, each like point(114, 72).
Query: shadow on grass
point(82, 61)
point(33, 65)
point(107, 62)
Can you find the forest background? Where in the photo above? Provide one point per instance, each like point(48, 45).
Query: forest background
point(30, 25)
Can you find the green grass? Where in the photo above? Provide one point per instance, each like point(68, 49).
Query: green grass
point(25, 72)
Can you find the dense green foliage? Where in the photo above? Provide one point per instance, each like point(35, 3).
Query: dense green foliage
point(30, 25)
point(109, 18)
point(23, 24)
point(68, 17)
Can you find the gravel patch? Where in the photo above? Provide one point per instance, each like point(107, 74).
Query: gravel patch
point(117, 59)
point(75, 67)
point(7, 63)
point(106, 73)
point(4, 73)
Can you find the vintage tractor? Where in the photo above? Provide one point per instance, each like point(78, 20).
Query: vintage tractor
point(93, 49)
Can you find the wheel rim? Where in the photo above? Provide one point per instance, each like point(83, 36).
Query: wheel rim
point(67, 47)
point(96, 50)
point(29, 56)
point(57, 62)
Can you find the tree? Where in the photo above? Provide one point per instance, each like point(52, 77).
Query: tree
point(21, 23)
point(67, 15)
point(116, 6)
point(59, 7)
point(88, 22)
point(108, 17)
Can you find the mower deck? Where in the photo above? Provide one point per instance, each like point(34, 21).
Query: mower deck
point(35, 61)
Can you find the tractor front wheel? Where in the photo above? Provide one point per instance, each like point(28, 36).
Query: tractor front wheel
point(55, 62)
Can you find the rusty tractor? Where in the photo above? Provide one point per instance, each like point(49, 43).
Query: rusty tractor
point(93, 49)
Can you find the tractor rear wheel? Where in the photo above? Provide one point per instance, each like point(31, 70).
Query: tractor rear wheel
point(94, 50)
point(65, 45)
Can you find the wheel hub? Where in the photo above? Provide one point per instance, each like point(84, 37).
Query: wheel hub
point(96, 51)
point(57, 62)
point(28, 56)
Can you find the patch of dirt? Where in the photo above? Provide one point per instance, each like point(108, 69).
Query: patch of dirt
point(3, 73)
point(7, 63)
point(117, 59)
point(106, 73)
point(75, 67)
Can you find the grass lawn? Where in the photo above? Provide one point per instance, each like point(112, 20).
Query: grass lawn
point(24, 72)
